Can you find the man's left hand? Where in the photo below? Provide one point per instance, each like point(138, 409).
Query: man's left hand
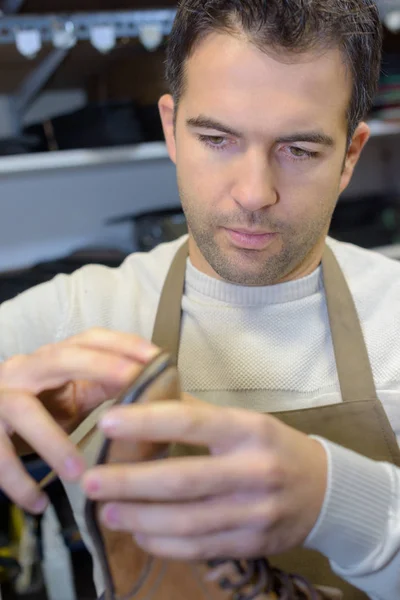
point(258, 493)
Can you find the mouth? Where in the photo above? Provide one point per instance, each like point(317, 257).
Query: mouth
point(250, 239)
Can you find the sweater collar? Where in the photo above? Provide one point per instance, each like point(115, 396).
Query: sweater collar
point(197, 283)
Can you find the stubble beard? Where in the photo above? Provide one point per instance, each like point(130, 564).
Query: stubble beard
point(247, 267)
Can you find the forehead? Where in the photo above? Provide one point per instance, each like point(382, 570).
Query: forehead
point(231, 76)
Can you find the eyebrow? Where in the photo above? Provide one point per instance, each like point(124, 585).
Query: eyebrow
point(314, 137)
point(206, 123)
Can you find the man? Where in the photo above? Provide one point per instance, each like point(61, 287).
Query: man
point(265, 125)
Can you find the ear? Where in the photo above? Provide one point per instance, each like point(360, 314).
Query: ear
point(360, 138)
point(166, 107)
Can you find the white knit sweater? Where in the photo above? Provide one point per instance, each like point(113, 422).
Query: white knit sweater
point(266, 349)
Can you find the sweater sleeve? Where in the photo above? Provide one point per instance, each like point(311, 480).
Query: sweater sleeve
point(35, 317)
point(358, 529)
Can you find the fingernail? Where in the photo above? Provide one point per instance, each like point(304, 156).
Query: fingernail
point(91, 486)
point(149, 352)
point(110, 516)
point(74, 467)
point(140, 538)
point(40, 504)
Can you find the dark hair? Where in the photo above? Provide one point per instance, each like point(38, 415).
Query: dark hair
point(292, 26)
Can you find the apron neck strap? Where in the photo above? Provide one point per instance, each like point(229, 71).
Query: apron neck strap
point(167, 327)
point(352, 361)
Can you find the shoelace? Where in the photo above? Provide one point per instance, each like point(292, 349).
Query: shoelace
point(262, 578)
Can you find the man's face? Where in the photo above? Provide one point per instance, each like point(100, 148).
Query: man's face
point(259, 147)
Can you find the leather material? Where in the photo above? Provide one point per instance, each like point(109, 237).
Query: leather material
point(359, 423)
point(131, 573)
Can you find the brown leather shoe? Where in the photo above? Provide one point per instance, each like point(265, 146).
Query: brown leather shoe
point(131, 573)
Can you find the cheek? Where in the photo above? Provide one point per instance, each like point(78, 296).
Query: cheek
point(202, 182)
point(309, 189)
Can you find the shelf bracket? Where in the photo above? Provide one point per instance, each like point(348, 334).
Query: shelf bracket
point(37, 79)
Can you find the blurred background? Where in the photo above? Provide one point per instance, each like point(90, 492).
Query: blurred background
point(85, 177)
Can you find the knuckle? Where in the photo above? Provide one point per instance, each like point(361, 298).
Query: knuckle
point(16, 407)
point(251, 545)
point(175, 485)
point(4, 467)
point(11, 366)
point(51, 352)
point(28, 497)
point(18, 486)
point(263, 428)
point(187, 526)
point(198, 550)
point(92, 335)
point(96, 332)
point(46, 349)
point(271, 517)
point(192, 420)
point(274, 472)
point(122, 481)
point(23, 407)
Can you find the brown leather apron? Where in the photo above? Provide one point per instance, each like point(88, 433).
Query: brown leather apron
point(358, 423)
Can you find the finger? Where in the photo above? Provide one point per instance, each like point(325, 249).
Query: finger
point(180, 479)
point(240, 544)
point(189, 519)
point(52, 367)
point(125, 344)
point(27, 417)
point(15, 482)
point(203, 425)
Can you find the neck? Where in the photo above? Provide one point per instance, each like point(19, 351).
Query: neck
point(305, 268)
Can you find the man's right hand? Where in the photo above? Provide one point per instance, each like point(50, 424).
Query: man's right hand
point(45, 395)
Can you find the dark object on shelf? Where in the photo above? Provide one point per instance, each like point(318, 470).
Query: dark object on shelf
point(368, 222)
point(23, 144)
point(158, 227)
point(94, 126)
point(155, 227)
point(150, 121)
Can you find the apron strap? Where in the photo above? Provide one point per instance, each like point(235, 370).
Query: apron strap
point(167, 327)
point(352, 360)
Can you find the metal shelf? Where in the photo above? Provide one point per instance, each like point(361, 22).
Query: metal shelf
point(381, 128)
point(127, 23)
point(72, 159)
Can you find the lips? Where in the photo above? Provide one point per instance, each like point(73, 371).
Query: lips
point(250, 240)
point(251, 232)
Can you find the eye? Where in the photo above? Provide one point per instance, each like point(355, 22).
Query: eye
point(216, 142)
point(301, 153)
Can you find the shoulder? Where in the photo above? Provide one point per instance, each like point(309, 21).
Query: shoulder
point(374, 281)
point(147, 270)
point(123, 298)
point(366, 270)
point(152, 267)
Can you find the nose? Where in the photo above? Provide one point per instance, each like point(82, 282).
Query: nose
point(254, 187)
